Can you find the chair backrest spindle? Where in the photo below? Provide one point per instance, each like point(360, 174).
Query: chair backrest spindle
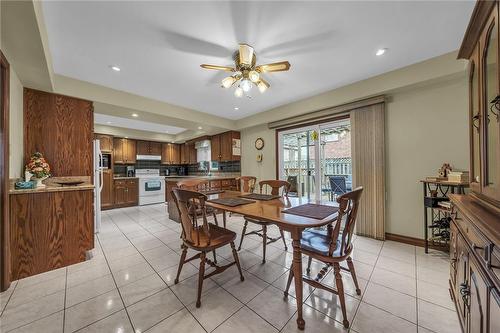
point(348, 209)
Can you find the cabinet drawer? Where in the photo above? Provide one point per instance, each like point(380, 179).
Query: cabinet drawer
point(480, 245)
point(119, 182)
point(132, 182)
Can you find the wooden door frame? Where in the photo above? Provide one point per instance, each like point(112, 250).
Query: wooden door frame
point(4, 173)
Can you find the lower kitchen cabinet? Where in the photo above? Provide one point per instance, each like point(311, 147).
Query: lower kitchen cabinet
point(107, 190)
point(126, 192)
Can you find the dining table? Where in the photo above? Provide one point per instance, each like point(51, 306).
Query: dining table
point(272, 211)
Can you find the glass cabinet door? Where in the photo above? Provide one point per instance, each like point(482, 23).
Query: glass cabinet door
point(475, 121)
point(491, 118)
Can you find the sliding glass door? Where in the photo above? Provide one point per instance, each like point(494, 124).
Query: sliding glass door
point(316, 160)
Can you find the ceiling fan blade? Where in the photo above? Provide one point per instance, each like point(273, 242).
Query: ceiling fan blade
point(246, 54)
point(262, 85)
point(274, 67)
point(218, 68)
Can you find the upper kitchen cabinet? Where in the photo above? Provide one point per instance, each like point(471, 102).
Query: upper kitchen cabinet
point(148, 148)
point(124, 151)
point(171, 153)
point(106, 142)
point(226, 147)
point(62, 129)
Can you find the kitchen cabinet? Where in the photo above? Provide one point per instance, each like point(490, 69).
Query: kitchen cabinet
point(192, 153)
point(170, 153)
point(107, 189)
point(184, 153)
point(106, 142)
point(148, 148)
point(126, 192)
point(49, 230)
point(61, 128)
point(124, 151)
point(222, 147)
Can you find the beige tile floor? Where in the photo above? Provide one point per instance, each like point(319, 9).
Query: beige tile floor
point(128, 287)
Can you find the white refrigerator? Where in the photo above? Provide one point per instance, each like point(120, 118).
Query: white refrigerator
point(98, 183)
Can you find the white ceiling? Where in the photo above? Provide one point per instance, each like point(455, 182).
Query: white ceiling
point(160, 45)
point(107, 120)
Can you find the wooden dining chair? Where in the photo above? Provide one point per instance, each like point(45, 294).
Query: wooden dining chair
point(331, 246)
point(276, 186)
point(201, 238)
point(246, 183)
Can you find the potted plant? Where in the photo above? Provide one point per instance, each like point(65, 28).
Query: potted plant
point(39, 167)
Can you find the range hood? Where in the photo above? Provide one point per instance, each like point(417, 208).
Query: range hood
point(148, 157)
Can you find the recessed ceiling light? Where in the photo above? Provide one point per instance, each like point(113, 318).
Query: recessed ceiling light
point(381, 52)
point(135, 115)
point(126, 137)
point(236, 108)
point(166, 131)
point(200, 128)
point(108, 122)
point(115, 68)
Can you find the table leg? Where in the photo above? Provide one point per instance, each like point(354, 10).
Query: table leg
point(297, 274)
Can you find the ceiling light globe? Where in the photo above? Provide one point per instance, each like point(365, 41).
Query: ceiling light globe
point(246, 85)
point(254, 76)
point(238, 92)
point(228, 81)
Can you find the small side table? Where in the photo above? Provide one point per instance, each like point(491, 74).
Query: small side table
point(443, 188)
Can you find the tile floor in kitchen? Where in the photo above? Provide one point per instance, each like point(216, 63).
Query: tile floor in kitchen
point(128, 286)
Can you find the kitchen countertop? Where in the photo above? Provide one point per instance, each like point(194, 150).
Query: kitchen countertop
point(51, 186)
point(200, 177)
point(125, 177)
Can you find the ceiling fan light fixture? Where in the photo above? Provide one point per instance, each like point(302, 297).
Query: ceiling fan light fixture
point(254, 76)
point(246, 85)
point(238, 92)
point(228, 81)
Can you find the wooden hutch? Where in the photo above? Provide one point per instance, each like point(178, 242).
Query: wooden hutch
point(475, 229)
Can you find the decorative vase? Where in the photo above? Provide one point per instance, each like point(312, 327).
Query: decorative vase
point(38, 182)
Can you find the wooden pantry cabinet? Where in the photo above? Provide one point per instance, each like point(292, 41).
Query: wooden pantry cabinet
point(475, 229)
point(124, 151)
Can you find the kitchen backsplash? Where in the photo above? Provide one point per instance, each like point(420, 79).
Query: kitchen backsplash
point(217, 167)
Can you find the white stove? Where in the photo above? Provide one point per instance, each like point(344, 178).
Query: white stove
point(151, 186)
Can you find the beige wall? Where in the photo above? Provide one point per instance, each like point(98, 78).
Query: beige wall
point(425, 127)
point(15, 126)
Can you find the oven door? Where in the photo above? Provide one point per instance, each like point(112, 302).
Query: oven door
point(152, 186)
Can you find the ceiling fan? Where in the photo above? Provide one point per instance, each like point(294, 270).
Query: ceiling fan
point(246, 73)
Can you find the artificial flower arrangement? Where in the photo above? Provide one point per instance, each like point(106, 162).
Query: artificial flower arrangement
point(39, 167)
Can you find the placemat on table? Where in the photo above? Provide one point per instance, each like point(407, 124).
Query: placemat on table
point(257, 196)
point(231, 202)
point(312, 210)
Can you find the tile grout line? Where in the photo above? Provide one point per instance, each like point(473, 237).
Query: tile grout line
point(64, 304)
point(8, 300)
